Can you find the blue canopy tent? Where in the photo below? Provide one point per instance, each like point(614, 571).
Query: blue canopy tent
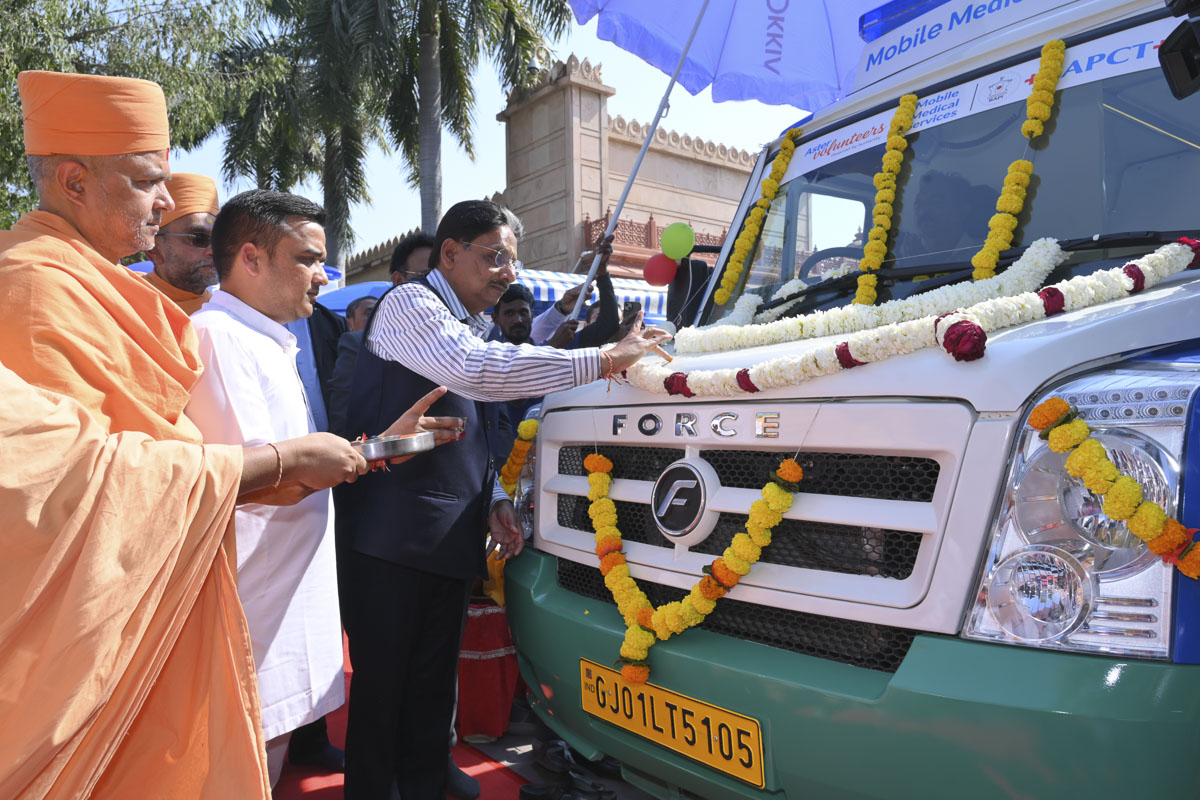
point(546, 287)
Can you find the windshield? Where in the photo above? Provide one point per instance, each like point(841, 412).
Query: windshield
point(1121, 154)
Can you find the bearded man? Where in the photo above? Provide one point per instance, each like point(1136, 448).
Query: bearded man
point(182, 252)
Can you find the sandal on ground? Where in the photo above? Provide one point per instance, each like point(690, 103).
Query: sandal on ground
point(554, 756)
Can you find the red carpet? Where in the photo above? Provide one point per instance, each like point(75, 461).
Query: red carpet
point(307, 783)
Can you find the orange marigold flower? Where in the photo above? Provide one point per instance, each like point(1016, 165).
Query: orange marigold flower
point(643, 616)
point(597, 463)
point(1174, 536)
point(790, 471)
point(608, 544)
point(1190, 564)
point(635, 673)
point(611, 560)
point(1048, 412)
point(711, 588)
point(724, 574)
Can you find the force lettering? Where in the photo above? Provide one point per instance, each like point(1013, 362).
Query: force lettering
point(723, 424)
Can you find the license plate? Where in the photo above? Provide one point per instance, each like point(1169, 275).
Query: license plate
point(726, 741)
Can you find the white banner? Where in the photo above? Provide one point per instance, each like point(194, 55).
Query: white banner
point(1120, 53)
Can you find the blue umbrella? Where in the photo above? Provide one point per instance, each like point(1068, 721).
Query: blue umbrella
point(783, 52)
point(338, 299)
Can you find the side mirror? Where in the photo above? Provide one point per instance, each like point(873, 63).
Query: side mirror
point(1179, 55)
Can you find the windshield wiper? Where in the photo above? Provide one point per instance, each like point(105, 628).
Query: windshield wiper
point(955, 271)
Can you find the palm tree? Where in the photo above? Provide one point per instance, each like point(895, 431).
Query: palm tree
point(440, 49)
point(321, 116)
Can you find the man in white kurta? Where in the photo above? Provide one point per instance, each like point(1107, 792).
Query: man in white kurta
point(251, 393)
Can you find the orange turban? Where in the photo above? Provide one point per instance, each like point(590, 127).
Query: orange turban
point(91, 115)
point(192, 194)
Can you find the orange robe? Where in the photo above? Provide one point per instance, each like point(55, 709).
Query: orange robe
point(188, 301)
point(125, 663)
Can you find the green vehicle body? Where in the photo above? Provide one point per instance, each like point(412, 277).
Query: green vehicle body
point(1018, 722)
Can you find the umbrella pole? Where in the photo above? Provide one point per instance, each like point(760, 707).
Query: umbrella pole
point(637, 164)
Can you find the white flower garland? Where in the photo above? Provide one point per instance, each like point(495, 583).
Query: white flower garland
point(882, 343)
point(1025, 275)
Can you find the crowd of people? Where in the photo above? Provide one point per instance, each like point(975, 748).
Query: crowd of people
point(187, 526)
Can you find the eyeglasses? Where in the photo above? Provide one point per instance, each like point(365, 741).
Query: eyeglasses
point(412, 274)
point(503, 257)
point(200, 241)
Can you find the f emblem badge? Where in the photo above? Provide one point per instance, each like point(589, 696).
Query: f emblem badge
point(679, 501)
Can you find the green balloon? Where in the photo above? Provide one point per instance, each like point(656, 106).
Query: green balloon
point(678, 239)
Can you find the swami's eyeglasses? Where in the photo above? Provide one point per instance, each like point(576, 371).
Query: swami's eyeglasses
point(200, 241)
point(503, 257)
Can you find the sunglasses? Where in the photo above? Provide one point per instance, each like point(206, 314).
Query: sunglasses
point(503, 257)
point(200, 241)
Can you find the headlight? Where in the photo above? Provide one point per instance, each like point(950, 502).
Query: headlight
point(1060, 574)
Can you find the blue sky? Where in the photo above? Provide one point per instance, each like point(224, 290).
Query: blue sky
point(396, 206)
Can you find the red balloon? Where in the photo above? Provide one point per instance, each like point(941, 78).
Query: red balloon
point(659, 270)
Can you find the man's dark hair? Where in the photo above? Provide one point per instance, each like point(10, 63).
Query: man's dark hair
point(414, 241)
point(469, 219)
point(515, 291)
point(358, 303)
point(259, 216)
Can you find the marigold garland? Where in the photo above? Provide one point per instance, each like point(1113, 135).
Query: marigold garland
point(876, 248)
point(1123, 496)
point(1002, 226)
point(754, 220)
point(645, 624)
point(511, 471)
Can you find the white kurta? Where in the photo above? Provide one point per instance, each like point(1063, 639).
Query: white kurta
point(250, 393)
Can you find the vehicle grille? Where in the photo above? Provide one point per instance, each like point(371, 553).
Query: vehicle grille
point(840, 474)
point(861, 644)
point(845, 549)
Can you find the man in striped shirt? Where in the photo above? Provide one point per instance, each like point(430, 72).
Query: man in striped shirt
point(417, 541)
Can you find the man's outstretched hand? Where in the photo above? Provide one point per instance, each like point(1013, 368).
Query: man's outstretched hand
point(636, 344)
point(444, 429)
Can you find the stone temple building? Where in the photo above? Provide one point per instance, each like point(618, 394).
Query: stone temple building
point(567, 162)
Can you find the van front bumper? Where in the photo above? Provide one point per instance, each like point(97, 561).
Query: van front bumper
point(957, 719)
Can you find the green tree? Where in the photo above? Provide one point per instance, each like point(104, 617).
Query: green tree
point(172, 42)
point(441, 47)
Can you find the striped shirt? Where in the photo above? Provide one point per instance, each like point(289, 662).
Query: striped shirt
point(443, 342)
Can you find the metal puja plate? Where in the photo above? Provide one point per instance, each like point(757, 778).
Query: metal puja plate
point(381, 448)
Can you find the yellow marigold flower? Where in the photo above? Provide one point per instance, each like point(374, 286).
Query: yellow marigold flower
point(986, 258)
point(1021, 165)
point(597, 463)
point(1099, 479)
point(882, 208)
point(884, 180)
point(1086, 456)
point(1048, 411)
point(736, 564)
point(1009, 203)
point(1123, 498)
point(1031, 129)
point(1065, 437)
point(892, 161)
point(1173, 537)
point(869, 264)
point(639, 637)
point(790, 471)
point(1041, 96)
point(794, 133)
point(690, 616)
point(864, 297)
point(600, 480)
point(759, 535)
point(1039, 111)
point(757, 214)
point(527, 429)
point(885, 196)
point(777, 498)
point(877, 235)
point(883, 222)
point(908, 101)
point(897, 143)
point(1053, 47)
point(699, 602)
point(616, 575)
point(1147, 521)
point(602, 506)
point(634, 653)
point(770, 187)
point(745, 549)
point(1003, 222)
point(597, 492)
point(1042, 83)
point(721, 296)
point(658, 624)
point(875, 249)
point(673, 612)
point(999, 240)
